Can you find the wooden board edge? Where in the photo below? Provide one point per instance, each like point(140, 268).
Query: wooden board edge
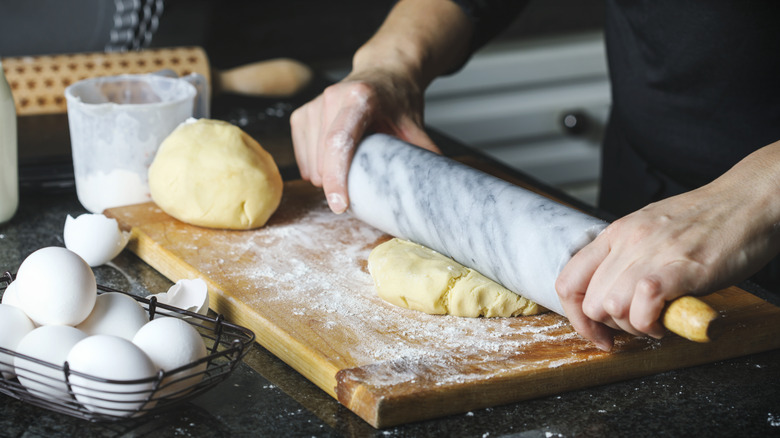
point(384, 407)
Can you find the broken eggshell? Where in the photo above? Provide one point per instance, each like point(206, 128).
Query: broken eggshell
point(192, 295)
point(94, 237)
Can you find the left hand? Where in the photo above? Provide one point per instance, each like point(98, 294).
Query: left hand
point(691, 244)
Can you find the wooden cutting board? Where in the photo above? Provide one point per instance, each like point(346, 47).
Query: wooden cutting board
point(302, 285)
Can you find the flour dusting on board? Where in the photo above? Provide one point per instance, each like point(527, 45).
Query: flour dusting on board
point(305, 272)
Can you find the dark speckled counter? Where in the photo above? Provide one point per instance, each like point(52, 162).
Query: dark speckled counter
point(264, 397)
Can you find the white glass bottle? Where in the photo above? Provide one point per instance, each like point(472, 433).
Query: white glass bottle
point(9, 174)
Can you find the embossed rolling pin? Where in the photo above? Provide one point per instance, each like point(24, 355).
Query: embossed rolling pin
point(38, 82)
point(516, 237)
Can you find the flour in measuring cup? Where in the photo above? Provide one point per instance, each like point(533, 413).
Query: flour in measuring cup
point(98, 191)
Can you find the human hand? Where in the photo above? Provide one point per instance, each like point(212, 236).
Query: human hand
point(418, 41)
point(327, 130)
point(691, 244)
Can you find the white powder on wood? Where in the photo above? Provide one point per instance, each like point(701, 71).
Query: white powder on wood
point(307, 274)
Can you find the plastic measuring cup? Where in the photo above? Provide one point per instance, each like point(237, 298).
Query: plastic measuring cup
point(116, 125)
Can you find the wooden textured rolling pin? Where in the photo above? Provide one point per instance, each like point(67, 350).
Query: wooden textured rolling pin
point(516, 237)
point(38, 82)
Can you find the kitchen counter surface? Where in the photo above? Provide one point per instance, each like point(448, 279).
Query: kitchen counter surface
point(264, 397)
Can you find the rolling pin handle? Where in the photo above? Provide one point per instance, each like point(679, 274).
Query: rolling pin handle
point(279, 77)
point(691, 318)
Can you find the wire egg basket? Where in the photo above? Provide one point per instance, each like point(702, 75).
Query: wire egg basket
point(104, 400)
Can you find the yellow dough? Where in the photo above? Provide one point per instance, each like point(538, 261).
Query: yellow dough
point(211, 173)
point(415, 277)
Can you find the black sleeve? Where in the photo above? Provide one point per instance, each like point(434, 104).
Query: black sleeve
point(490, 17)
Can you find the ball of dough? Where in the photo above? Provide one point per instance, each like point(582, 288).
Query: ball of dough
point(415, 277)
point(212, 174)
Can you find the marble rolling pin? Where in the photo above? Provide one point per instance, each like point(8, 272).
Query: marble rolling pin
point(516, 237)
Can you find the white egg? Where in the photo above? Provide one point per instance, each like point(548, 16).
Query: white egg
point(56, 287)
point(96, 238)
point(14, 325)
point(50, 343)
point(172, 343)
point(112, 358)
point(192, 295)
point(115, 314)
point(11, 295)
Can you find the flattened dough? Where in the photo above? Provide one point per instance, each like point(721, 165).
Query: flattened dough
point(415, 277)
point(211, 173)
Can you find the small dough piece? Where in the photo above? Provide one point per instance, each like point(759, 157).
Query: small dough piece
point(415, 277)
point(212, 174)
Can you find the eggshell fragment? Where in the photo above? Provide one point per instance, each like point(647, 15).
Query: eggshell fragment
point(113, 358)
point(192, 295)
point(50, 343)
point(172, 343)
point(14, 325)
point(94, 237)
point(115, 314)
point(56, 287)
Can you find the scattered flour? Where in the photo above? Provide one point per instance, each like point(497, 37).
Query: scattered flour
point(306, 273)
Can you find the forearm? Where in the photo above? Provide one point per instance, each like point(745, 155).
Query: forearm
point(420, 39)
point(694, 243)
point(753, 186)
point(761, 170)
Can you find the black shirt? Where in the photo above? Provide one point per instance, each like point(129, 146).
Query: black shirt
point(695, 88)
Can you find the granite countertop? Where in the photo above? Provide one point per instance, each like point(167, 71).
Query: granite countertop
point(265, 397)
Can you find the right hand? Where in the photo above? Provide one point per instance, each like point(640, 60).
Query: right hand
point(327, 130)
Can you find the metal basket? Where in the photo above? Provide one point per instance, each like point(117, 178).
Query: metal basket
point(226, 344)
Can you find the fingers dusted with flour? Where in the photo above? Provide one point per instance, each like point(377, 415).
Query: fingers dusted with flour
point(325, 132)
point(340, 143)
point(418, 41)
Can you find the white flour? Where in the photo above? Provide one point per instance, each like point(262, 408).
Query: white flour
point(309, 276)
point(98, 191)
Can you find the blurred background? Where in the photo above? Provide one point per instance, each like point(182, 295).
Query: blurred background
point(535, 98)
